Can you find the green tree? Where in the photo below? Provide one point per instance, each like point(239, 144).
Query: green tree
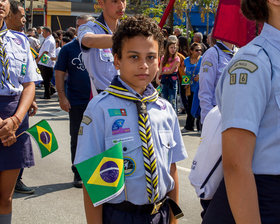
point(207, 7)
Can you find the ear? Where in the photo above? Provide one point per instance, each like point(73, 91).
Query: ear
point(116, 62)
point(274, 2)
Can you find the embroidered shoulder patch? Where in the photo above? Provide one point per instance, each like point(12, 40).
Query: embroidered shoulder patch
point(86, 120)
point(207, 63)
point(243, 64)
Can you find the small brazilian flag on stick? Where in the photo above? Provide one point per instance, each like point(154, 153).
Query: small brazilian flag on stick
point(44, 137)
point(45, 59)
point(185, 80)
point(103, 175)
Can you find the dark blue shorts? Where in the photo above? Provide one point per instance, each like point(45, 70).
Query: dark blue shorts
point(18, 155)
point(268, 187)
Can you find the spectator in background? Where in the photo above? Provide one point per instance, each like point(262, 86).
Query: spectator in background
point(198, 38)
point(34, 42)
point(75, 99)
point(46, 65)
point(40, 35)
point(59, 34)
point(192, 64)
point(72, 29)
point(177, 32)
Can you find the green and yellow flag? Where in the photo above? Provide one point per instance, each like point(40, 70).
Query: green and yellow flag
point(103, 175)
point(45, 59)
point(185, 80)
point(34, 53)
point(44, 137)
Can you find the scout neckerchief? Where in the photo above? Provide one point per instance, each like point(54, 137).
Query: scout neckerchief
point(150, 164)
point(4, 59)
point(225, 49)
point(100, 21)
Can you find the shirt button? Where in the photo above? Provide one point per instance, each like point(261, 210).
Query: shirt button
point(168, 144)
point(124, 148)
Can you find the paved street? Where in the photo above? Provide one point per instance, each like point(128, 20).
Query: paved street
point(55, 200)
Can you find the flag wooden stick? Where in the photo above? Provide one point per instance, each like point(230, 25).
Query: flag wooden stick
point(20, 134)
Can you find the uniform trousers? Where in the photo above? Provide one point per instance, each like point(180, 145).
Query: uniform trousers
point(75, 116)
point(47, 74)
point(218, 211)
point(114, 216)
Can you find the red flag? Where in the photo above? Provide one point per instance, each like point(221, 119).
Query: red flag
point(231, 25)
point(166, 13)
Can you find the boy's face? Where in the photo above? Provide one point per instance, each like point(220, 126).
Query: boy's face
point(113, 8)
point(139, 63)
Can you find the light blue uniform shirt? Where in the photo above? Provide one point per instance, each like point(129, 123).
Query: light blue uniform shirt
point(248, 96)
point(98, 62)
point(22, 65)
point(209, 75)
point(104, 111)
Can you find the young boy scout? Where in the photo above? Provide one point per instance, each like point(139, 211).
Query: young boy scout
point(130, 111)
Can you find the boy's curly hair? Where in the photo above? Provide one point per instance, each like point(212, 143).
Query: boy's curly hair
point(135, 26)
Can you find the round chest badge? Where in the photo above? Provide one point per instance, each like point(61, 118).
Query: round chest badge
point(129, 166)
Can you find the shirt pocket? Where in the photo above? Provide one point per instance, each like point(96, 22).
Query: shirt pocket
point(167, 142)
point(17, 65)
point(132, 154)
point(167, 139)
point(106, 55)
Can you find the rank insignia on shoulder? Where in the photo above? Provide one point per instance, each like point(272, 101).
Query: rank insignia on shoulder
point(81, 129)
point(243, 78)
point(86, 120)
point(243, 64)
point(117, 112)
point(232, 79)
point(23, 69)
point(38, 71)
point(207, 63)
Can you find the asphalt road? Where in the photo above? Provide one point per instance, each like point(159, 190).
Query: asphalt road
point(56, 201)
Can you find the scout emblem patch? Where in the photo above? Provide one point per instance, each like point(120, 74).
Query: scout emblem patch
point(117, 127)
point(129, 166)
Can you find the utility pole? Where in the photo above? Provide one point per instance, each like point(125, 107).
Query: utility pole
point(30, 25)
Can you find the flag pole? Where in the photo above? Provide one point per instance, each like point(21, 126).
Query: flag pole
point(20, 134)
point(125, 192)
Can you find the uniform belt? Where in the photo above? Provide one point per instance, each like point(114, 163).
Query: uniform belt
point(152, 209)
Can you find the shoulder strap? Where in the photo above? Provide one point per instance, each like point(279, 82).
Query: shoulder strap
point(267, 56)
point(218, 54)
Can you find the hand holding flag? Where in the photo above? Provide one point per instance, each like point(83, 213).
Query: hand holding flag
point(103, 175)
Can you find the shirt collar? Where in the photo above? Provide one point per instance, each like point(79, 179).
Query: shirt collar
point(4, 26)
point(271, 34)
point(148, 91)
